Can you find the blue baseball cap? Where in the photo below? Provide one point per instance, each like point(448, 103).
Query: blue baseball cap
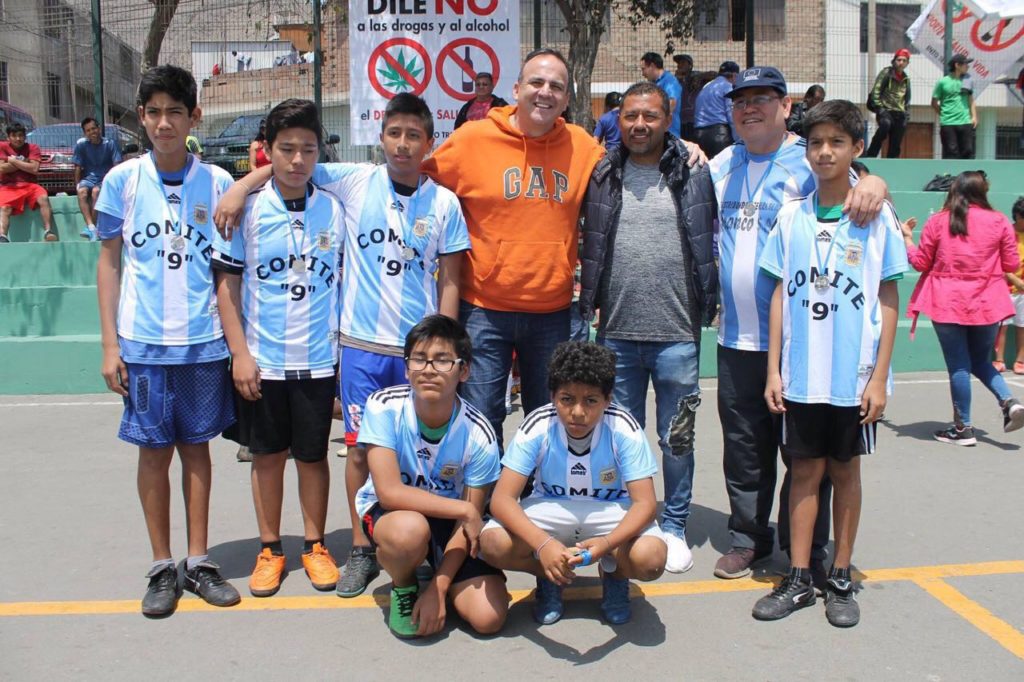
point(759, 77)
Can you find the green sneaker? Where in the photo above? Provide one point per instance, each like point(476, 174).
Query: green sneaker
point(400, 617)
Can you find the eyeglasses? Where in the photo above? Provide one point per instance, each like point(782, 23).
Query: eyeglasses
point(755, 101)
point(439, 364)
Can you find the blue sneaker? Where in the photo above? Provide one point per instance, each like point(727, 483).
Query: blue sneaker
point(615, 600)
point(547, 606)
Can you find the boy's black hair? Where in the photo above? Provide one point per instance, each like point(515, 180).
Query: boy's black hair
point(653, 58)
point(860, 168)
point(1018, 209)
point(15, 128)
point(87, 120)
point(443, 328)
point(582, 362)
point(173, 81)
point(841, 113)
point(612, 100)
point(642, 88)
point(293, 113)
point(408, 103)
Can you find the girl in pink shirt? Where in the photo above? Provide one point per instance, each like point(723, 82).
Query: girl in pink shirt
point(963, 253)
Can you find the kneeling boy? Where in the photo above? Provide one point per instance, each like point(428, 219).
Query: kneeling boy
point(593, 499)
point(433, 459)
point(279, 274)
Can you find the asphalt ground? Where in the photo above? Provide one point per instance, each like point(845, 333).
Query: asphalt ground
point(940, 551)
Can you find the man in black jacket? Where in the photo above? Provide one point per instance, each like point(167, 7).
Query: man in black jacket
point(483, 101)
point(648, 267)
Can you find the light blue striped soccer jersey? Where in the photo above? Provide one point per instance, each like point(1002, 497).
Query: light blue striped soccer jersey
point(167, 293)
point(290, 313)
point(830, 337)
point(619, 453)
point(467, 455)
point(392, 246)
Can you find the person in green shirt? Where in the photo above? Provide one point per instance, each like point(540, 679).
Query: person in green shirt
point(953, 101)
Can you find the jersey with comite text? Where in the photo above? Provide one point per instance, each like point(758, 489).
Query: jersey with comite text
point(392, 243)
point(167, 293)
point(619, 454)
point(290, 311)
point(832, 320)
point(467, 455)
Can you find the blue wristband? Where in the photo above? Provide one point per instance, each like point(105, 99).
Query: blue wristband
point(587, 559)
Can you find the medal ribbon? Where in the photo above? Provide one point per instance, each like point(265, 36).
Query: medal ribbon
point(397, 205)
point(176, 219)
point(297, 255)
point(823, 269)
point(764, 176)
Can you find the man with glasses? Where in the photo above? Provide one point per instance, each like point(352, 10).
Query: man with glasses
point(483, 101)
point(752, 179)
point(651, 321)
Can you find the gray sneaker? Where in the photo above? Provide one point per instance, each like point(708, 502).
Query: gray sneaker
point(358, 572)
point(1013, 415)
point(841, 607)
point(736, 562)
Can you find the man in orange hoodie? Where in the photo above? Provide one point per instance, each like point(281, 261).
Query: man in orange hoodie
point(521, 174)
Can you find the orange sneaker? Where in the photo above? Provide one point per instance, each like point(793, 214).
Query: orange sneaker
point(265, 580)
point(320, 568)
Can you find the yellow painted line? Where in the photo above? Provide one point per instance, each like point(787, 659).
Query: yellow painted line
point(977, 615)
point(668, 589)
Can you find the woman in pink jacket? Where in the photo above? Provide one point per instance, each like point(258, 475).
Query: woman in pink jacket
point(964, 251)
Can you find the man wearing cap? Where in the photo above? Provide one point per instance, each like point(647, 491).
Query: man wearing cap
point(712, 113)
point(652, 66)
point(890, 100)
point(688, 81)
point(752, 179)
point(953, 101)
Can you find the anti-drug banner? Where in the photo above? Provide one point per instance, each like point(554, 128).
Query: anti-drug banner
point(431, 48)
point(994, 43)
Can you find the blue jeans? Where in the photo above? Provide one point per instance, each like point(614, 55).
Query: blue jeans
point(579, 329)
point(967, 350)
point(495, 334)
point(672, 367)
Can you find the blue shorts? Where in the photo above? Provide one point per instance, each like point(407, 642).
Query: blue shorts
point(362, 373)
point(170, 404)
point(89, 182)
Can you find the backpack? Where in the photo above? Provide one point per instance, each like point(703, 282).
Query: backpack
point(940, 183)
point(872, 104)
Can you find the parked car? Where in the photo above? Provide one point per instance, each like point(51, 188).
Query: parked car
point(12, 114)
point(57, 145)
point(229, 148)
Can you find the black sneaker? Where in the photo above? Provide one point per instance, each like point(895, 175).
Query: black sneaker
point(841, 607)
point(819, 576)
point(1013, 415)
point(4, 239)
point(162, 594)
point(792, 593)
point(955, 436)
point(358, 572)
point(204, 580)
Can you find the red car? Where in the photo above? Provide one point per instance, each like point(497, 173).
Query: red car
point(57, 145)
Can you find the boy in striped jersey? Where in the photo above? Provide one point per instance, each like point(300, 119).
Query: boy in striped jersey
point(831, 331)
point(163, 347)
point(433, 458)
point(277, 287)
point(593, 497)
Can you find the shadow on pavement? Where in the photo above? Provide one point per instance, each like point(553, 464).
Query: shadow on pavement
point(925, 431)
point(236, 558)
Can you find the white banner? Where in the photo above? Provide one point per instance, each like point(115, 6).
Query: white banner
point(431, 48)
point(994, 44)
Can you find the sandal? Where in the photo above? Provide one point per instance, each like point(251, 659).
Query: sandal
point(1001, 366)
point(50, 236)
point(1018, 367)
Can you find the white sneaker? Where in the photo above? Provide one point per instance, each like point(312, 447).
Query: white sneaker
point(680, 558)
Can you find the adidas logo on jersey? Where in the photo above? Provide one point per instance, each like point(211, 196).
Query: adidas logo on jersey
point(423, 453)
point(397, 205)
point(824, 236)
point(173, 198)
point(578, 469)
point(297, 224)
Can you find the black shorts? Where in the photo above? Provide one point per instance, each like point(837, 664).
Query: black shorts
point(293, 414)
point(812, 431)
point(440, 533)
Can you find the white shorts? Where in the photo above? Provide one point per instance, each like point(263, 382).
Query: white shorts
point(570, 521)
point(1018, 311)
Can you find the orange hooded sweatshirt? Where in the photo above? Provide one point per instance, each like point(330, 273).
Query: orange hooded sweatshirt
point(521, 197)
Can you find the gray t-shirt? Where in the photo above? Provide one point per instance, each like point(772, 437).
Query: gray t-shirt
point(647, 284)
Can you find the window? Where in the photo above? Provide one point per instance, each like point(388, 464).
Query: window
point(891, 24)
point(729, 22)
point(53, 92)
point(4, 94)
point(56, 17)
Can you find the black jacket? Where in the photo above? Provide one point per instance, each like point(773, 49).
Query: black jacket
point(460, 118)
point(696, 210)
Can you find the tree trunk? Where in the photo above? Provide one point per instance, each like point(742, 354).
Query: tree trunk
point(161, 20)
point(585, 19)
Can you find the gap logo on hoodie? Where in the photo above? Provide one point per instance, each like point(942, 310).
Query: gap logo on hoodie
point(535, 186)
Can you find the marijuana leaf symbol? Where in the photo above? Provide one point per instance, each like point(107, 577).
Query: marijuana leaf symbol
point(393, 78)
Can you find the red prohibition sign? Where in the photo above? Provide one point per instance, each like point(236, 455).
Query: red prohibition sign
point(381, 52)
point(449, 52)
point(995, 36)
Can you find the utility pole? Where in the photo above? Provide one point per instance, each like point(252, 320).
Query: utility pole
point(71, 70)
point(947, 43)
point(748, 29)
point(869, 79)
point(318, 97)
point(536, 24)
point(97, 64)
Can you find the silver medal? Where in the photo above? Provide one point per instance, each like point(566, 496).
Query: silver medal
point(748, 210)
point(298, 265)
point(821, 283)
point(408, 253)
point(178, 242)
